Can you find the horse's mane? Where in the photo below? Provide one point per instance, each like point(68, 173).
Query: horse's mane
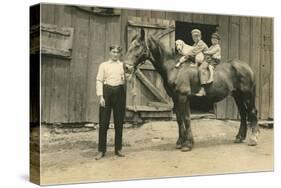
point(168, 52)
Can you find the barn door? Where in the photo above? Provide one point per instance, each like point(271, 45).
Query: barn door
point(146, 96)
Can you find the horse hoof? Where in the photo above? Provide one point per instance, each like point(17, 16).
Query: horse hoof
point(178, 146)
point(185, 149)
point(252, 142)
point(238, 140)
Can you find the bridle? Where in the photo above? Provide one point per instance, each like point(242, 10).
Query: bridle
point(146, 55)
point(147, 52)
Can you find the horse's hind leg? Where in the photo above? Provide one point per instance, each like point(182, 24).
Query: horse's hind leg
point(253, 119)
point(242, 133)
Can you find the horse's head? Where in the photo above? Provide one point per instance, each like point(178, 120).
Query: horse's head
point(137, 52)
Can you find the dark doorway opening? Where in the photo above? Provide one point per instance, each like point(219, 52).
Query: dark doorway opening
point(183, 32)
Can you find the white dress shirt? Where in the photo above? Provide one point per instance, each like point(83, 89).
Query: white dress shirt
point(110, 73)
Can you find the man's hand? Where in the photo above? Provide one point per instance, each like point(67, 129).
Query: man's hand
point(102, 101)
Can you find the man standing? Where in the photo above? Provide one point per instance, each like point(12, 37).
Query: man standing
point(110, 86)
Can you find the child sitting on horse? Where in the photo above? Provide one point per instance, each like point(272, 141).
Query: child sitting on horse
point(213, 54)
point(196, 52)
point(199, 47)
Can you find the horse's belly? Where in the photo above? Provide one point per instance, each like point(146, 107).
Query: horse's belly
point(219, 89)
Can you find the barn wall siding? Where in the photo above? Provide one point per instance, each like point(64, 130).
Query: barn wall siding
point(68, 86)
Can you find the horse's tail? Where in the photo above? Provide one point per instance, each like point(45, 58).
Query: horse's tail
point(245, 77)
point(246, 83)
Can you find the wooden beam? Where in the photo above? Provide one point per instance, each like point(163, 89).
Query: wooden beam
point(148, 108)
point(150, 86)
point(56, 52)
point(160, 104)
point(133, 21)
point(51, 28)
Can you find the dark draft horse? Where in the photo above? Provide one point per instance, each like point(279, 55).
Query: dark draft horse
point(234, 78)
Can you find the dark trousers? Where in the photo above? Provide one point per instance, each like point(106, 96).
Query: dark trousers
point(115, 99)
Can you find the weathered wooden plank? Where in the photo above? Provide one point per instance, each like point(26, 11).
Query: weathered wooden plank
point(96, 55)
point(143, 108)
point(210, 19)
point(57, 39)
point(185, 17)
point(150, 86)
point(112, 33)
point(223, 22)
point(132, 12)
point(135, 23)
point(245, 39)
point(157, 14)
point(60, 69)
point(47, 16)
point(56, 52)
point(159, 104)
point(255, 55)
point(172, 15)
point(231, 110)
point(271, 84)
point(132, 93)
point(51, 28)
point(143, 13)
point(123, 29)
point(78, 79)
point(100, 11)
point(156, 115)
point(265, 69)
point(198, 18)
point(47, 13)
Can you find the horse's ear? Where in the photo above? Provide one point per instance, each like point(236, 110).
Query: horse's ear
point(142, 36)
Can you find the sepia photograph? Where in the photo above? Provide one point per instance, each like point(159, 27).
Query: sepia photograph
point(127, 94)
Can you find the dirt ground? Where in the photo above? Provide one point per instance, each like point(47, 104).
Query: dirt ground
point(68, 156)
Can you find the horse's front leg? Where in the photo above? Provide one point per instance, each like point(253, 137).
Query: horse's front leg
point(179, 122)
point(187, 122)
point(184, 108)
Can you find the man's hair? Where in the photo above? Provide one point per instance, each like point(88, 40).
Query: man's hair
point(112, 47)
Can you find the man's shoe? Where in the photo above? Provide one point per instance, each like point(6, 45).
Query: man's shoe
point(100, 155)
point(119, 154)
point(201, 93)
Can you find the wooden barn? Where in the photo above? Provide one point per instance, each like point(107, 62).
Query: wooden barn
point(75, 40)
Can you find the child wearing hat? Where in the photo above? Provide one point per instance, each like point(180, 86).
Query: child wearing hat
point(215, 50)
point(214, 53)
point(197, 52)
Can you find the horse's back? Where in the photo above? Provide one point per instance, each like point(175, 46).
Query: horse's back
point(238, 72)
point(243, 69)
